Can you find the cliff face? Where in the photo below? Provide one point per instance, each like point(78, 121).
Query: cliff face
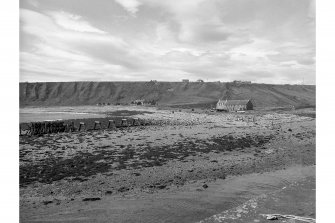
point(165, 93)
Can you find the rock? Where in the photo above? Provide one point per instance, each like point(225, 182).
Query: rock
point(221, 175)
point(161, 186)
point(290, 130)
point(123, 189)
point(271, 217)
point(205, 186)
point(47, 202)
point(92, 199)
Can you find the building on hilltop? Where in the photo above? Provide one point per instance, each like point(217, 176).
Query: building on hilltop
point(144, 102)
point(185, 80)
point(138, 102)
point(241, 82)
point(234, 105)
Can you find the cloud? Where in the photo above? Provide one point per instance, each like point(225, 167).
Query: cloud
point(48, 28)
point(72, 48)
point(294, 51)
point(258, 40)
point(34, 3)
point(73, 22)
point(129, 5)
point(299, 58)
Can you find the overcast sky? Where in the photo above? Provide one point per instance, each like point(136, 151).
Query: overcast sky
point(265, 41)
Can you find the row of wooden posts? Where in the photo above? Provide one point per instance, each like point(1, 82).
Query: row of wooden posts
point(111, 124)
point(47, 127)
point(246, 118)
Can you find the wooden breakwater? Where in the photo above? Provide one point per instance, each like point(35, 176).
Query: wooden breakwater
point(75, 125)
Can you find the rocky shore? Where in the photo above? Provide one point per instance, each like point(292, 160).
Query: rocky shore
point(178, 149)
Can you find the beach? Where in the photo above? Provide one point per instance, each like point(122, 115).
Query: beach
point(100, 174)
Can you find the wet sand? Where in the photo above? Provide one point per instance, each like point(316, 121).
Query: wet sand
point(295, 198)
point(193, 202)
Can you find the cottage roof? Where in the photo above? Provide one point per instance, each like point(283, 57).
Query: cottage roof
point(235, 102)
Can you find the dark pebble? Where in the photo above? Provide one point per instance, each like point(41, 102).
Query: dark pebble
point(92, 199)
point(47, 202)
point(123, 189)
point(161, 186)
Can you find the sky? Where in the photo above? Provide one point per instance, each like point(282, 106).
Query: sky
point(263, 41)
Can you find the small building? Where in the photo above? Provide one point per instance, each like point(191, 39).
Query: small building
point(241, 82)
point(200, 80)
point(138, 102)
point(234, 105)
point(149, 102)
point(186, 80)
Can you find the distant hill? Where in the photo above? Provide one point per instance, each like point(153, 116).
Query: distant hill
point(164, 93)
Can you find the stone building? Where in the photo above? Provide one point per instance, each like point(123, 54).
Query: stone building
point(234, 105)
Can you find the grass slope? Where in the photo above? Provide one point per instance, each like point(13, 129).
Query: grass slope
point(165, 93)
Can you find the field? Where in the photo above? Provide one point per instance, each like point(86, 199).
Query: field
point(186, 165)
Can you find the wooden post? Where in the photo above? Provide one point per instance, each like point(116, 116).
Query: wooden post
point(29, 129)
point(82, 124)
point(111, 122)
point(38, 128)
point(96, 123)
point(135, 121)
point(124, 122)
point(47, 127)
point(32, 128)
point(44, 127)
point(72, 127)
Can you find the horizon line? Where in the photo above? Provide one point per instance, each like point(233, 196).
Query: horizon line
point(236, 81)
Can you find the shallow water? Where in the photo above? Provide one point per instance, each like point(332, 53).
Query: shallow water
point(36, 114)
point(52, 116)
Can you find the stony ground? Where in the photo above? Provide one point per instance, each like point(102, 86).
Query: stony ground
point(178, 149)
